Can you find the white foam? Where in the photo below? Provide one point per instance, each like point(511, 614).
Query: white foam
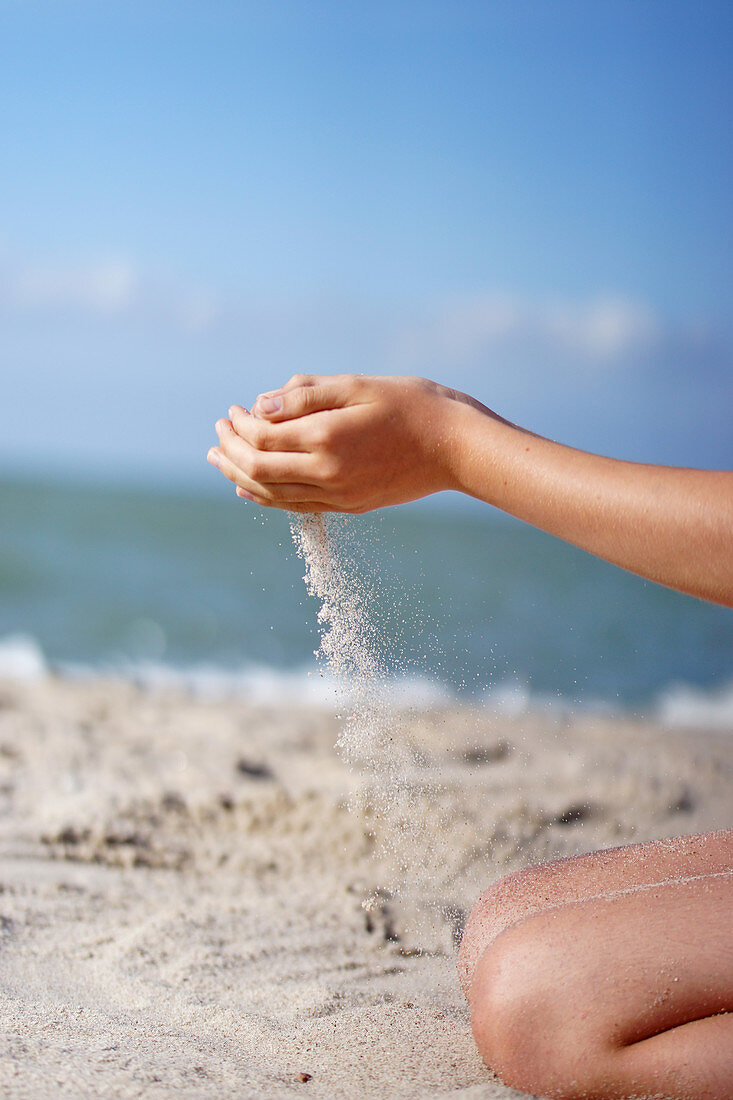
point(684, 705)
point(267, 686)
point(21, 658)
point(309, 686)
point(679, 705)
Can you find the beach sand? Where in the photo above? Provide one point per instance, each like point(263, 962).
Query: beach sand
point(182, 883)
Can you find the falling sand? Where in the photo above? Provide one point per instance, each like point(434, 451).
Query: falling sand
point(365, 661)
point(351, 646)
point(366, 657)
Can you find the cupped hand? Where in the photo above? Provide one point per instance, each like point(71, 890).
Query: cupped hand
point(344, 443)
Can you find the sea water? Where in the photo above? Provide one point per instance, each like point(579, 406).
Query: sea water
point(207, 590)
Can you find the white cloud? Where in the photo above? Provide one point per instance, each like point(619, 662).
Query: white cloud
point(505, 344)
point(464, 331)
point(459, 332)
point(107, 288)
point(604, 328)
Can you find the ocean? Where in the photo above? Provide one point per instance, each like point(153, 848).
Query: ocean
point(207, 591)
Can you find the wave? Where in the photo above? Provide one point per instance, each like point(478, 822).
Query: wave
point(22, 658)
point(261, 684)
point(678, 705)
point(682, 705)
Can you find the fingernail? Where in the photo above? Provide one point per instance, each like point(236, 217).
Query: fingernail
point(220, 426)
point(244, 494)
point(213, 458)
point(269, 404)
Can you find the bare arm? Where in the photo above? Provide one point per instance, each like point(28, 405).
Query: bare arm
point(353, 443)
point(669, 524)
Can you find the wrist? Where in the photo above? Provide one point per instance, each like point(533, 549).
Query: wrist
point(442, 430)
point(477, 440)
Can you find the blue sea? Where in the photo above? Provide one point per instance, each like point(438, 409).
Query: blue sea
point(207, 591)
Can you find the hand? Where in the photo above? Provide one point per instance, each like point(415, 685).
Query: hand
point(348, 443)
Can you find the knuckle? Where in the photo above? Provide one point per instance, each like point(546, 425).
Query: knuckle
point(246, 461)
point(260, 435)
point(257, 434)
point(332, 472)
point(265, 440)
point(355, 383)
point(320, 440)
point(255, 468)
point(324, 435)
point(309, 397)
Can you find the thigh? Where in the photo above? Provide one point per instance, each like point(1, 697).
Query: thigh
point(547, 885)
point(620, 996)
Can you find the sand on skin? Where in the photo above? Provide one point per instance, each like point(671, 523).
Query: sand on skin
point(182, 884)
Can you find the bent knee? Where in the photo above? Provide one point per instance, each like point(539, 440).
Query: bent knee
point(526, 1002)
point(510, 1007)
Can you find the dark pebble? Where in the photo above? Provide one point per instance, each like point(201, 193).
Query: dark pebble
point(254, 771)
point(580, 812)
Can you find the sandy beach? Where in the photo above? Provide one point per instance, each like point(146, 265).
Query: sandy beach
point(201, 899)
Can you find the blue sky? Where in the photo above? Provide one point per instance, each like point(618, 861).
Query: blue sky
point(527, 200)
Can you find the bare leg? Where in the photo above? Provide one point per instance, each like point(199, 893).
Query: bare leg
point(579, 878)
point(610, 975)
point(628, 996)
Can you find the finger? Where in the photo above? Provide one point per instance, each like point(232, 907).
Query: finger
point(264, 436)
point(293, 497)
point(232, 471)
point(263, 466)
point(292, 383)
point(284, 495)
point(315, 396)
point(285, 506)
point(275, 492)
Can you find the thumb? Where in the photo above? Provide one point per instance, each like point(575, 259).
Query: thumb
point(326, 393)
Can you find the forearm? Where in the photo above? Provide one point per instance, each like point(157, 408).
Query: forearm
point(671, 525)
